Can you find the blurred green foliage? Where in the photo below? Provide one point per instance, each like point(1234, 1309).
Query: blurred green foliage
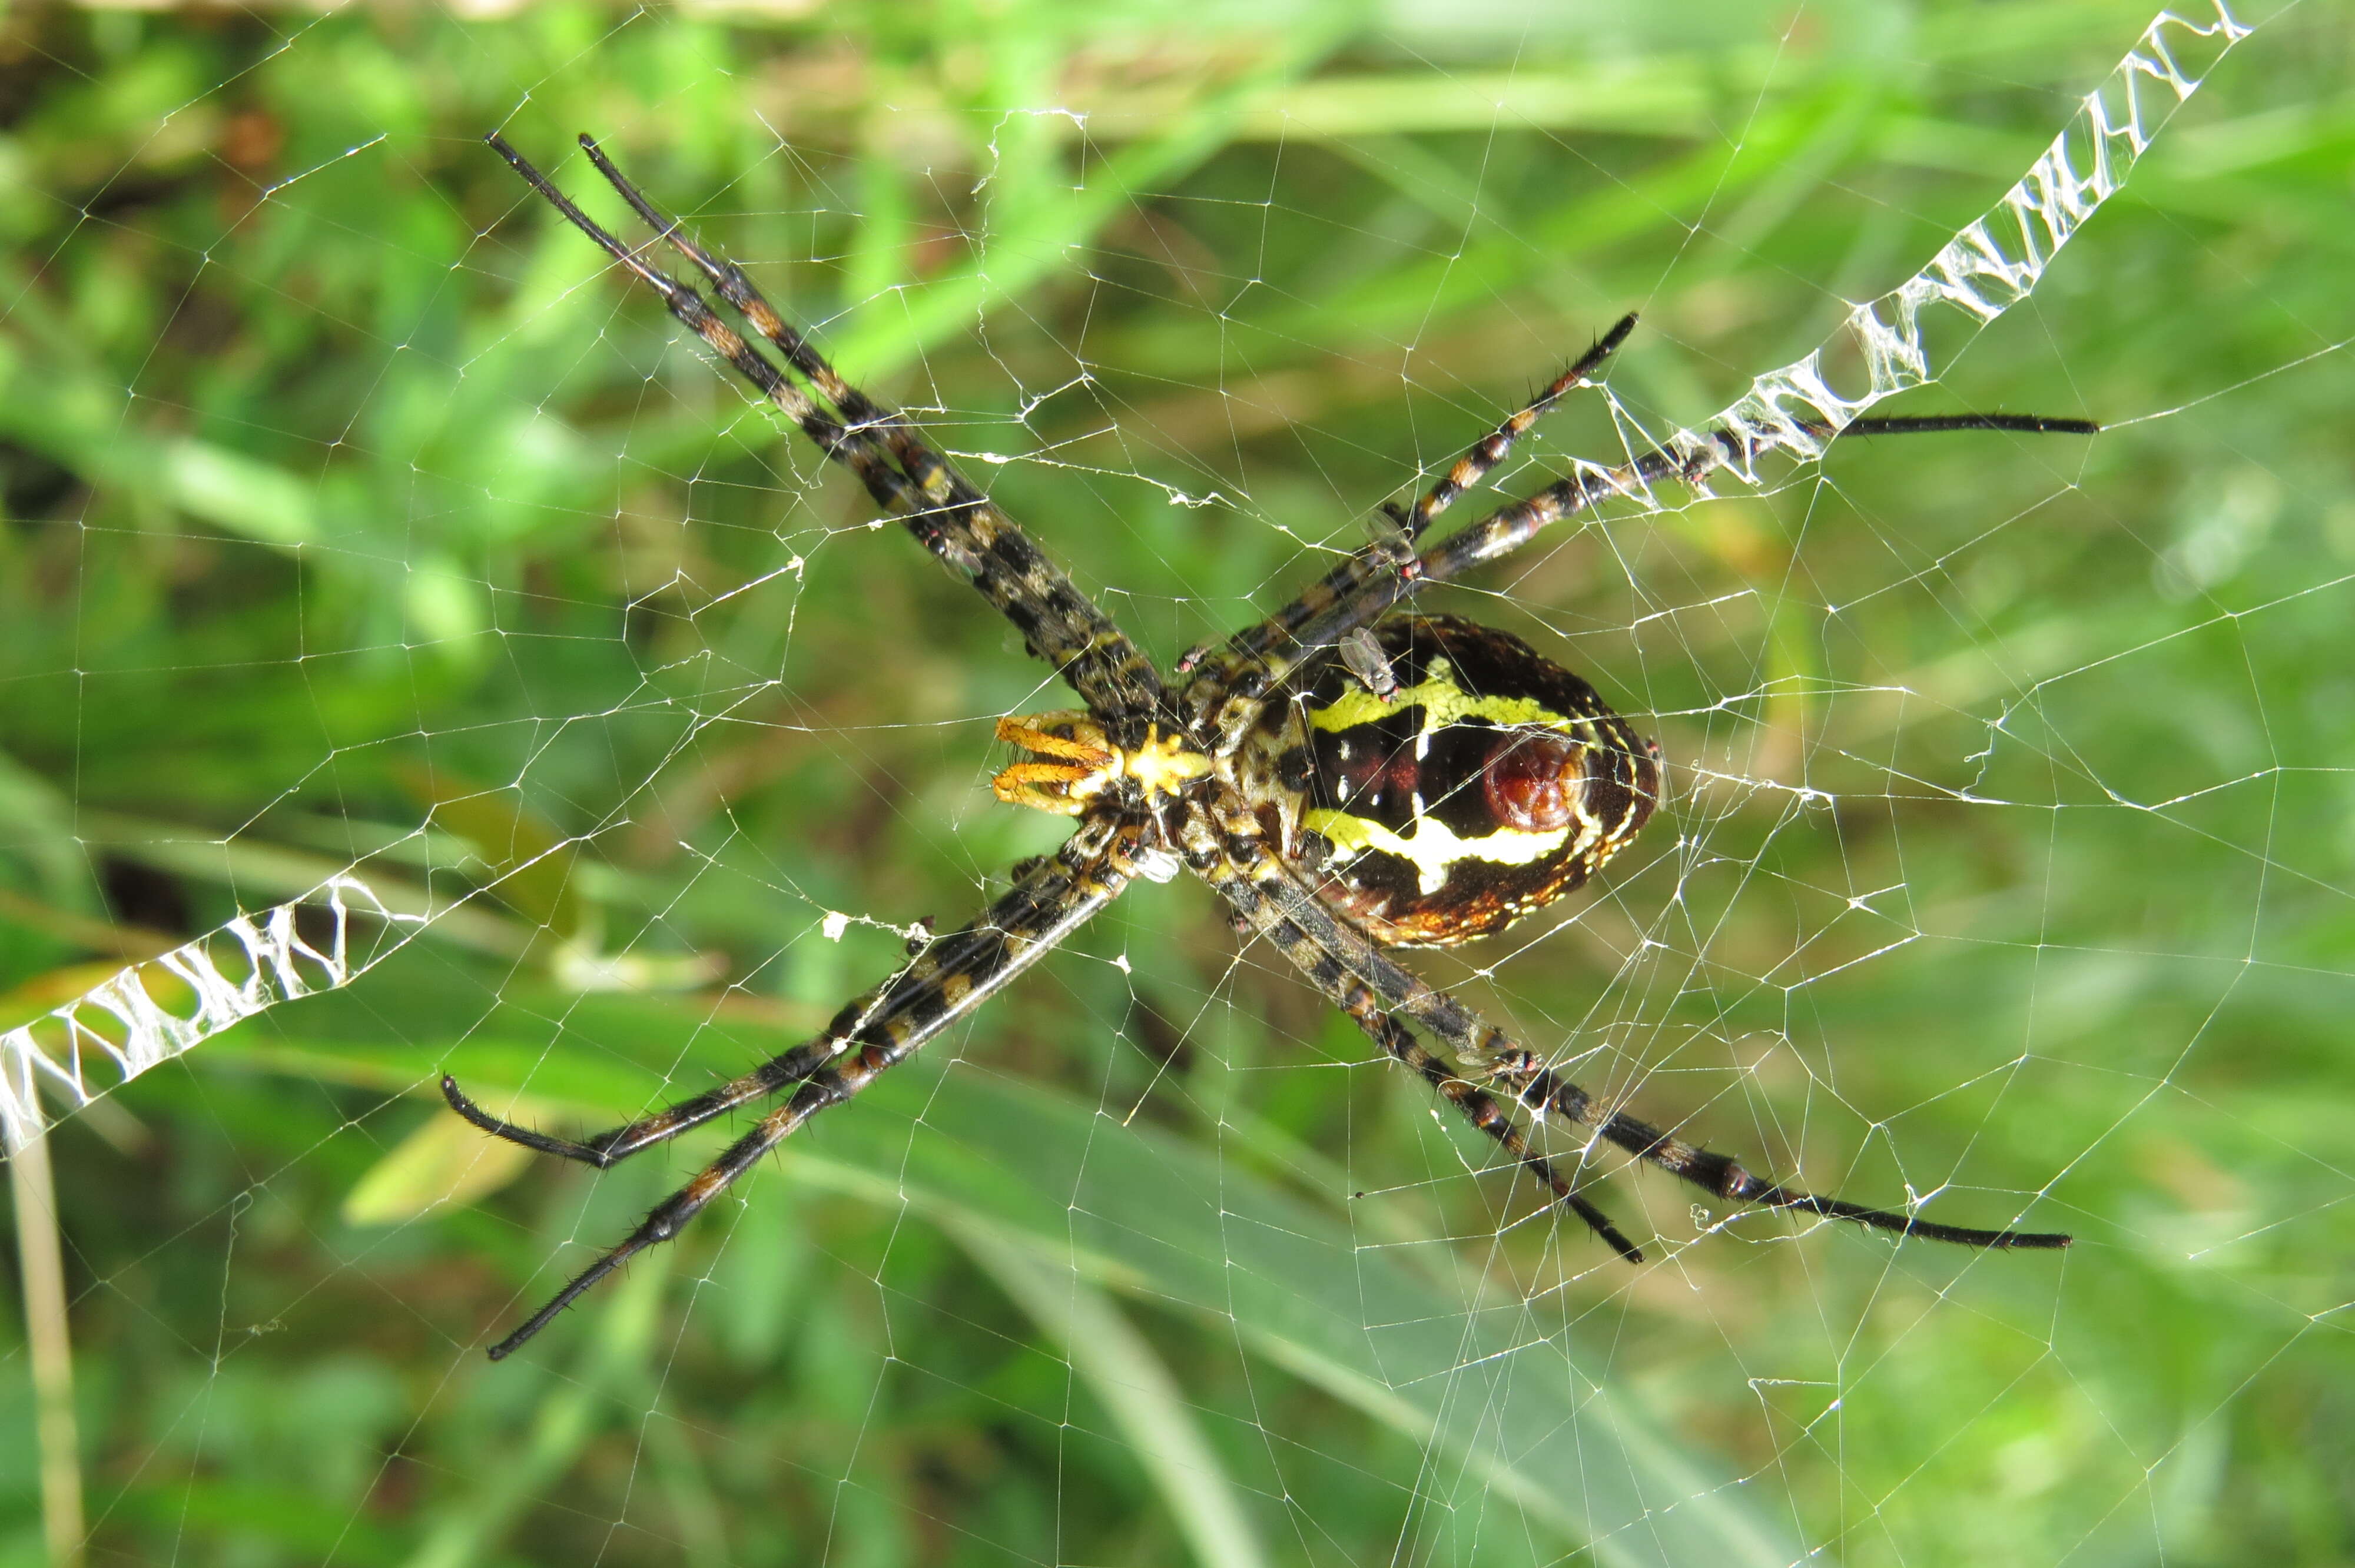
point(346, 491)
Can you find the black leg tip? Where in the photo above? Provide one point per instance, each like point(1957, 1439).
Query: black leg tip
point(458, 1100)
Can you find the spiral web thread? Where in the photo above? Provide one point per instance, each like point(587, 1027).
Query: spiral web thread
point(326, 938)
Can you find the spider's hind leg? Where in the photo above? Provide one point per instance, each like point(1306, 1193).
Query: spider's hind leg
point(1723, 1177)
point(1479, 1106)
point(948, 978)
point(1265, 898)
point(1343, 962)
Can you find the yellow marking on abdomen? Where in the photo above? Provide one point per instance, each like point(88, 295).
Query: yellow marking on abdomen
point(1434, 847)
point(1443, 702)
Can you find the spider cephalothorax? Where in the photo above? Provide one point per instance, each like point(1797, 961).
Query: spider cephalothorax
point(1347, 776)
point(1073, 763)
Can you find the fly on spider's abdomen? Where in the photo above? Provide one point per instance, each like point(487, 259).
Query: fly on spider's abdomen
point(1490, 783)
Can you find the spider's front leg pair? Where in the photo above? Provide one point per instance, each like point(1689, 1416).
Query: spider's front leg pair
point(1383, 575)
point(952, 976)
point(945, 512)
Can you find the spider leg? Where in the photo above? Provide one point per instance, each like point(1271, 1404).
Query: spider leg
point(616, 1144)
point(667, 1218)
point(1510, 527)
point(1373, 580)
point(950, 976)
point(1224, 697)
point(1929, 424)
point(1491, 450)
point(1722, 1176)
point(954, 975)
point(1247, 892)
point(1355, 998)
point(1394, 553)
point(1265, 892)
point(948, 516)
point(857, 453)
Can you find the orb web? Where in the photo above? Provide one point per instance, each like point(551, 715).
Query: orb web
point(427, 662)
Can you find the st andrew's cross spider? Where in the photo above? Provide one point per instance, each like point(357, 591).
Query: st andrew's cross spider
point(1351, 777)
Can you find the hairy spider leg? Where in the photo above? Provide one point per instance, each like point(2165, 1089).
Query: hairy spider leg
point(1508, 529)
point(1119, 679)
point(1371, 582)
point(947, 517)
point(1473, 1039)
point(1280, 630)
point(954, 975)
point(1125, 679)
point(1256, 886)
point(1492, 448)
point(734, 286)
point(854, 449)
point(1225, 698)
point(1720, 1175)
point(1932, 424)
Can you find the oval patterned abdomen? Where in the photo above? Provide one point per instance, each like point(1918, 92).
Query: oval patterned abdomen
point(1489, 783)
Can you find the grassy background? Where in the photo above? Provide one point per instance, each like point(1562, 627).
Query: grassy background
point(344, 492)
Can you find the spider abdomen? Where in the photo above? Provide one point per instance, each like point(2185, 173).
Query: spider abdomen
point(1482, 782)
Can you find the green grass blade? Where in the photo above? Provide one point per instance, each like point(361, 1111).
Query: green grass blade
point(1134, 1385)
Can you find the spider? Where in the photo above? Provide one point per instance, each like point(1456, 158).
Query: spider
point(1349, 776)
